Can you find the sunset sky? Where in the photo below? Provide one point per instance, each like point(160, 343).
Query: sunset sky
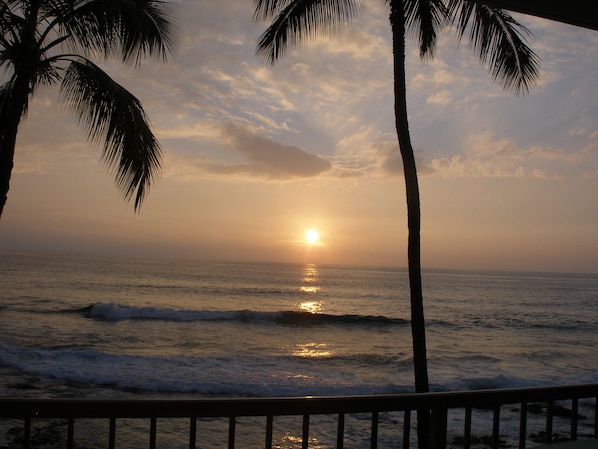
point(255, 155)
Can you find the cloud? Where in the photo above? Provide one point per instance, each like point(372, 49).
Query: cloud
point(487, 156)
point(443, 97)
point(545, 153)
point(390, 162)
point(324, 90)
point(389, 157)
point(256, 158)
point(488, 145)
point(591, 148)
point(457, 167)
point(540, 174)
point(271, 159)
point(35, 158)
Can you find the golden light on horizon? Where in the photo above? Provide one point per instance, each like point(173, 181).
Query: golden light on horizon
point(312, 236)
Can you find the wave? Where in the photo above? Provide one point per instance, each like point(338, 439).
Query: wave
point(219, 376)
point(116, 312)
point(228, 376)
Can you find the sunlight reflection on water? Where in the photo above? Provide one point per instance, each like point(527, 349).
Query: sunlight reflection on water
point(312, 350)
point(311, 306)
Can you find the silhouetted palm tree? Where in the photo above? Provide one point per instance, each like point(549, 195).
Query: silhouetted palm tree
point(496, 36)
point(46, 42)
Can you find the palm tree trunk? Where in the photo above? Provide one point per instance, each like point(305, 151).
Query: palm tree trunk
point(397, 21)
point(10, 117)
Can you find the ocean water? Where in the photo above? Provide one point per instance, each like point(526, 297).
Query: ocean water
point(90, 326)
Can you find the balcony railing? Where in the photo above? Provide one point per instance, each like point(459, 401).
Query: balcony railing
point(309, 409)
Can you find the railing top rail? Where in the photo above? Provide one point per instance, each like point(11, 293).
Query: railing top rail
point(211, 407)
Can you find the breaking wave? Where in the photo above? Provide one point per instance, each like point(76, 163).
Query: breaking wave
point(113, 311)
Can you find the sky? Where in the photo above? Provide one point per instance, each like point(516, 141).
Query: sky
point(256, 155)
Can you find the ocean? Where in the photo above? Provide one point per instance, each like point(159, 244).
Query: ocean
point(105, 327)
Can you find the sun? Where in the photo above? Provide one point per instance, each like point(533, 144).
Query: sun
point(312, 236)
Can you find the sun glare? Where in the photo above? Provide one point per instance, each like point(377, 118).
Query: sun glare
point(312, 236)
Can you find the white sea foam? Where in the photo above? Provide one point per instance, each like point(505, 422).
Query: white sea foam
point(235, 376)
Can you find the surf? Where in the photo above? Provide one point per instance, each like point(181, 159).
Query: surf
point(116, 312)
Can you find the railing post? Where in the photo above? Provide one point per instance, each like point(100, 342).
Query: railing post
point(192, 432)
point(549, 414)
point(467, 429)
point(340, 432)
point(112, 434)
point(574, 413)
point(232, 423)
point(522, 425)
point(153, 429)
point(406, 429)
point(305, 433)
point(70, 433)
point(496, 427)
point(438, 428)
point(27, 433)
point(374, 433)
point(269, 431)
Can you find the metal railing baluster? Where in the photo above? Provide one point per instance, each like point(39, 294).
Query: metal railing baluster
point(192, 432)
point(269, 431)
point(522, 425)
point(374, 432)
point(232, 424)
point(467, 428)
point(112, 434)
point(549, 414)
point(406, 429)
point(496, 426)
point(574, 414)
point(340, 431)
point(305, 432)
point(153, 429)
point(27, 433)
point(70, 433)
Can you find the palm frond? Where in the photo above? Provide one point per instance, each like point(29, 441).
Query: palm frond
point(7, 101)
point(500, 42)
point(55, 8)
point(299, 19)
point(16, 51)
point(9, 23)
point(267, 9)
point(46, 74)
point(5, 90)
point(426, 18)
point(132, 28)
point(112, 115)
point(5, 16)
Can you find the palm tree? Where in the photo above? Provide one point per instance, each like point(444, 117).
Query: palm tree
point(499, 41)
point(46, 42)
